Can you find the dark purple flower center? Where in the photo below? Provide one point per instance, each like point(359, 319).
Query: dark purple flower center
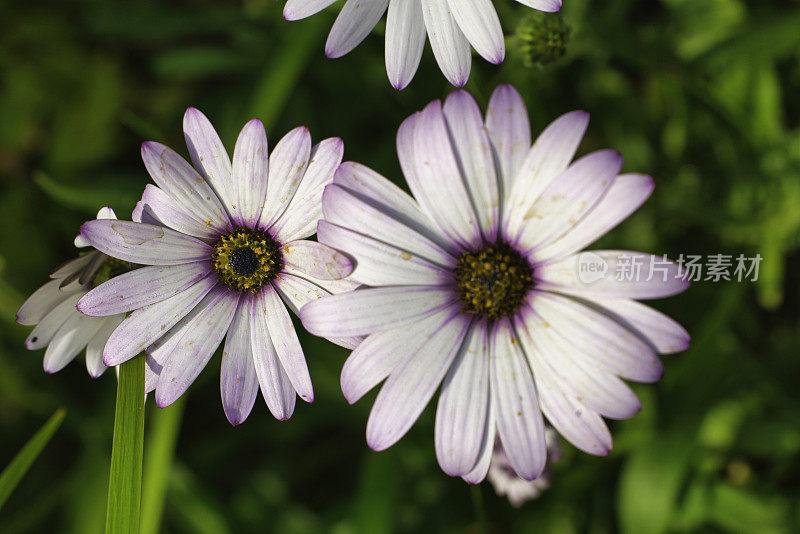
point(246, 260)
point(493, 281)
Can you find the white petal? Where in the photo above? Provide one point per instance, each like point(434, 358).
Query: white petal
point(72, 266)
point(43, 301)
point(144, 243)
point(478, 472)
point(157, 207)
point(276, 387)
point(547, 159)
point(626, 194)
point(70, 339)
point(436, 182)
point(479, 23)
point(380, 264)
point(573, 194)
point(191, 343)
point(299, 221)
point(450, 47)
point(250, 172)
point(238, 381)
point(405, 40)
point(464, 406)
point(300, 9)
point(549, 6)
point(380, 353)
point(209, 155)
point(346, 209)
point(94, 350)
point(371, 310)
point(316, 259)
point(519, 420)
point(184, 185)
point(353, 24)
point(412, 384)
point(626, 274)
point(287, 165)
point(284, 339)
point(510, 132)
point(474, 155)
point(146, 325)
point(50, 323)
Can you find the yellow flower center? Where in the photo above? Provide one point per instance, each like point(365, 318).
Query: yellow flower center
point(493, 281)
point(247, 259)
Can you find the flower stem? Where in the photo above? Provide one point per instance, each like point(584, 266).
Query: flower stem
point(125, 479)
point(480, 509)
point(161, 440)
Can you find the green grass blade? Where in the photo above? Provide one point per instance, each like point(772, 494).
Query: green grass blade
point(125, 480)
point(161, 440)
point(14, 471)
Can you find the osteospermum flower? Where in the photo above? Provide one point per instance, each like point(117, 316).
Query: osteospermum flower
point(453, 26)
point(507, 483)
point(223, 248)
point(474, 285)
point(59, 325)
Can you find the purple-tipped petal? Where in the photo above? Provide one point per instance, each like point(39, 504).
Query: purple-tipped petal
point(157, 207)
point(238, 381)
point(316, 259)
point(569, 198)
point(463, 406)
point(412, 384)
point(450, 46)
point(299, 221)
point(405, 41)
point(547, 159)
point(549, 6)
point(189, 345)
point(49, 325)
point(509, 130)
point(94, 350)
point(371, 310)
point(144, 243)
point(146, 325)
point(382, 352)
point(300, 9)
point(624, 274)
point(353, 24)
point(519, 420)
point(184, 185)
point(626, 194)
point(284, 339)
point(209, 155)
point(278, 391)
point(474, 154)
point(481, 467)
point(43, 301)
point(287, 165)
point(141, 287)
point(250, 172)
point(478, 21)
point(377, 263)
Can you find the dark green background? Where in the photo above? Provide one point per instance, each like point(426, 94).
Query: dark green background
point(701, 94)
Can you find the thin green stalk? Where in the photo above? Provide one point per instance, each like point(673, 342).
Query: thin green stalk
point(480, 508)
point(125, 479)
point(15, 470)
point(162, 437)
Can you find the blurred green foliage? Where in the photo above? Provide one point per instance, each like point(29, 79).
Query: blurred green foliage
point(701, 94)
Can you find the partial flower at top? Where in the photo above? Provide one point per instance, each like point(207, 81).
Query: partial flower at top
point(223, 248)
point(59, 325)
point(475, 284)
point(453, 26)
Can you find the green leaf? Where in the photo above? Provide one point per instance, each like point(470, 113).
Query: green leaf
point(92, 197)
point(14, 471)
point(163, 436)
point(125, 480)
point(650, 483)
